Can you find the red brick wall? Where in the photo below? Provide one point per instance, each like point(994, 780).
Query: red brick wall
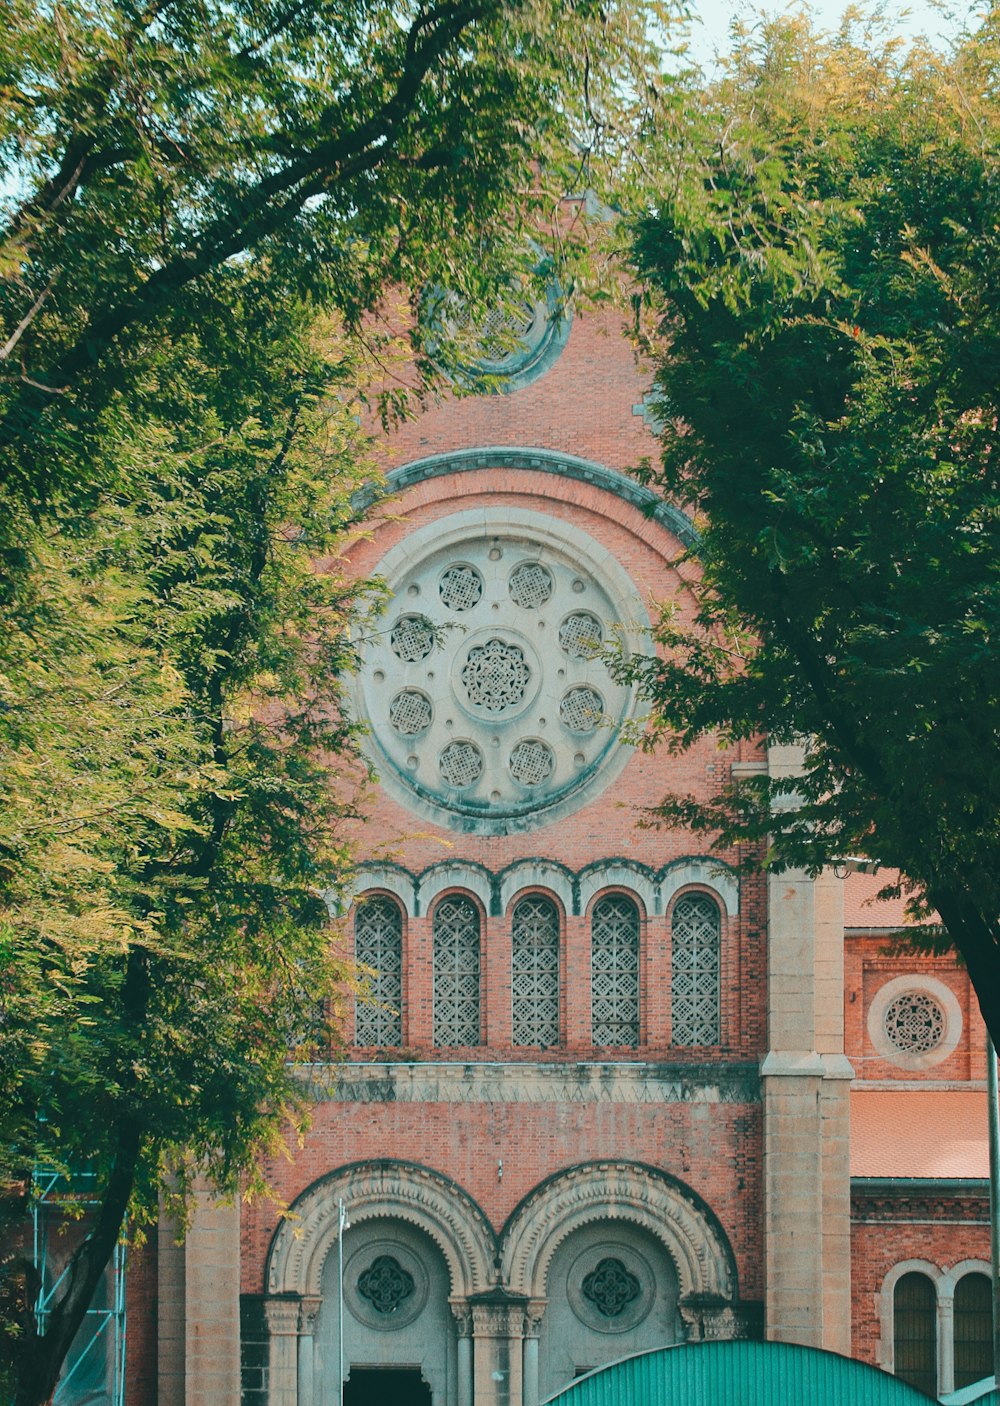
point(713, 1148)
point(140, 1335)
point(868, 965)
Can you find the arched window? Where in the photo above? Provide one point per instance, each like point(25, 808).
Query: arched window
point(614, 972)
point(694, 970)
point(973, 1329)
point(378, 944)
point(534, 980)
point(915, 1332)
point(456, 972)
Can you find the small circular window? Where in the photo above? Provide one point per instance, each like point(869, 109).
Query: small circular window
point(914, 1021)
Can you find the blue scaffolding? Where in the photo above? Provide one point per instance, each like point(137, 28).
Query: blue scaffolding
point(94, 1371)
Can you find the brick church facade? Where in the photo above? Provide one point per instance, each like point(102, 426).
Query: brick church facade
point(606, 1092)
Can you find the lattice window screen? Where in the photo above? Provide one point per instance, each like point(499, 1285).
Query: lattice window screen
point(614, 972)
point(378, 943)
point(456, 973)
point(535, 972)
point(694, 975)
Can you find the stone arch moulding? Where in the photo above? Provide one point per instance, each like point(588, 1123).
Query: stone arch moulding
point(543, 875)
point(635, 879)
point(709, 874)
point(885, 1354)
point(454, 875)
point(949, 1281)
point(625, 1191)
point(566, 466)
point(389, 878)
point(382, 1190)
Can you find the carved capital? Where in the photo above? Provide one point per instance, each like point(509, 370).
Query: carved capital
point(282, 1315)
point(308, 1313)
point(533, 1315)
point(498, 1320)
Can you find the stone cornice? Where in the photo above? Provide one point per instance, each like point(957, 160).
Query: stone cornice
point(919, 1200)
point(529, 1082)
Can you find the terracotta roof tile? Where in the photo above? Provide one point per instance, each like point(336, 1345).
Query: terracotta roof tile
point(919, 1133)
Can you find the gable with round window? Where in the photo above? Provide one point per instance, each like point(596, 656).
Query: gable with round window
point(914, 1022)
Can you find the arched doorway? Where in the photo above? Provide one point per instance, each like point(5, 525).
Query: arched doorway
point(400, 1336)
point(612, 1290)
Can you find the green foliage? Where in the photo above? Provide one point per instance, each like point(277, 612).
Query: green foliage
point(175, 775)
point(354, 146)
point(826, 266)
point(207, 211)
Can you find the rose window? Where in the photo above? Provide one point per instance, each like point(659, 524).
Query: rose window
point(385, 1284)
point(611, 1288)
point(581, 635)
point(461, 588)
point(531, 762)
point(488, 695)
point(914, 1023)
point(495, 675)
point(411, 638)
point(461, 764)
point(581, 709)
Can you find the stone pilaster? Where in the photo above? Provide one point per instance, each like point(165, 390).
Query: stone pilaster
point(282, 1316)
point(498, 1354)
point(198, 1311)
point(806, 1081)
point(212, 1304)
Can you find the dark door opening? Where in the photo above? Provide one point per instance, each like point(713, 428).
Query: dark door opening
point(386, 1386)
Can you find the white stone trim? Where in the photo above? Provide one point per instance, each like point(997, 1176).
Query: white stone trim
point(602, 878)
point(703, 874)
point(899, 986)
point(387, 878)
point(451, 877)
point(613, 1191)
point(539, 875)
point(378, 1191)
point(950, 1278)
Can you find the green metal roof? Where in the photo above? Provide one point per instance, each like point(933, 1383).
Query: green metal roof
point(738, 1374)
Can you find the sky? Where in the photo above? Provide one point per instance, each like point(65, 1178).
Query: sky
point(938, 23)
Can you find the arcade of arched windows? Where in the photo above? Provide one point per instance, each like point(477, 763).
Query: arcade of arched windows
point(937, 1326)
point(537, 979)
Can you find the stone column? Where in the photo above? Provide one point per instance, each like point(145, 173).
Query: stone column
point(498, 1332)
point(806, 1082)
point(946, 1344)
point(198, 1311)
point(532, 1328)
point(463, 1318)
point(308, 1314)
point(170, 1313)
point(282, 1316)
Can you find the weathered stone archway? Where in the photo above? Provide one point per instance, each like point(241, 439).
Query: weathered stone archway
point(374, 1191)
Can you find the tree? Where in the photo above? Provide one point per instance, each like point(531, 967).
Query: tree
point(358, 146)
point(825, 266)
point(204, 207)
point(169, 827)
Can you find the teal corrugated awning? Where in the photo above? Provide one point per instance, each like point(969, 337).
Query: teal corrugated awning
point(738, 1374)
